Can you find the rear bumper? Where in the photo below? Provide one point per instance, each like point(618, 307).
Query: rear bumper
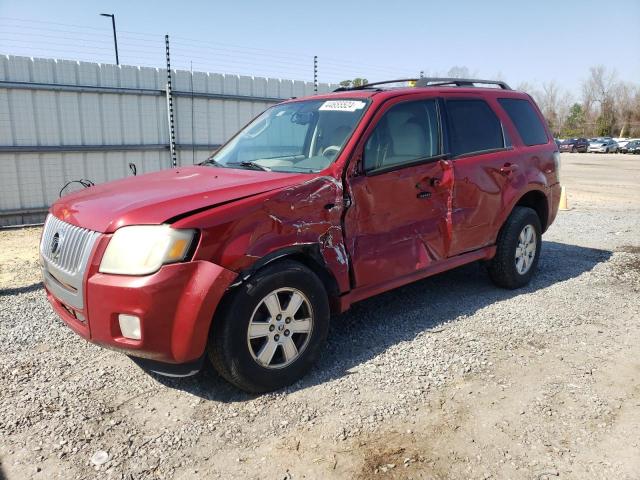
point(554, 197)
point(175, 306)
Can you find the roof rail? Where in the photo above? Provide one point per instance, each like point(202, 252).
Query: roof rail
point(373, 84)
point(458, 82)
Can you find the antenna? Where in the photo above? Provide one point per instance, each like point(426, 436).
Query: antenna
point(170, 119)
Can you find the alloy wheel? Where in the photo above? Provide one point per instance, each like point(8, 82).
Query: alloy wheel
point(526, 249)
point(280, 328)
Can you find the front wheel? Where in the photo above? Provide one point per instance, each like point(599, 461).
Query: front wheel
point(518, 249)
point(271, 329)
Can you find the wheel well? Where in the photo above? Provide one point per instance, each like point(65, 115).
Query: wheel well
point(538, 201)
point(323, 273)
point(310, 257)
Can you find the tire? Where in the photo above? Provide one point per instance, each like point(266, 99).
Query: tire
point(573, 150)
point(238, 358)
point(504, 269)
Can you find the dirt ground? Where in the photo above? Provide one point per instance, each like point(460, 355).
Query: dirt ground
point(542, 383)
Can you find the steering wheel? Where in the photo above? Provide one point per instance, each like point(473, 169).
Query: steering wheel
point(331, 150)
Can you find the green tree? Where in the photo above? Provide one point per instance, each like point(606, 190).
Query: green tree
point(574, 126)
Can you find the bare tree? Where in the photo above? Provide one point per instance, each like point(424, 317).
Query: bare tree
point(530, 89)
point(597, 91)
point(626, 107)
point(459, 72)
point(549, 105)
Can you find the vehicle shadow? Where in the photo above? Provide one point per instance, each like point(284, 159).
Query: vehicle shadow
point(372, 326)
point(6, 292)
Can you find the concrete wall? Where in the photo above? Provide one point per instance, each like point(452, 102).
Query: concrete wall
point(63, 120)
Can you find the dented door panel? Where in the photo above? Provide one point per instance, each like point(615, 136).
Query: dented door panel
point(478, 199)
point(397, 223)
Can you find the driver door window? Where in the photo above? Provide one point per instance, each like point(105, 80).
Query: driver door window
point(407, 133)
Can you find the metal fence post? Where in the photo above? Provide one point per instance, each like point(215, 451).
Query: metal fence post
point(170, 117)
point(315, 74)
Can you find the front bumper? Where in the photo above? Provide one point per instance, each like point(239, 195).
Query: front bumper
point(175, 306)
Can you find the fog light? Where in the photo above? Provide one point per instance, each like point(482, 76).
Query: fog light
point(130, 326)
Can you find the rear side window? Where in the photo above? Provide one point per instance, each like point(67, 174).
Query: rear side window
point(473, 127)
point(526, 120)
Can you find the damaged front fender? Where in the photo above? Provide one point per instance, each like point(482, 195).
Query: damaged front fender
point(300, 219)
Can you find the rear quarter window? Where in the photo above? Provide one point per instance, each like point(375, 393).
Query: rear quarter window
point(526, 120)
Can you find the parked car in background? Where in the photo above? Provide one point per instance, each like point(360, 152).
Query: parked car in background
point(317, 204)
point(632, 146)
point(574, 145)
point(603, 145)
point(622, 142)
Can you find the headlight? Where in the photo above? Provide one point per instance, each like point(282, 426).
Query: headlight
point(143, 249)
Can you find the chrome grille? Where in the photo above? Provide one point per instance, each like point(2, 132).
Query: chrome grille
point(72, 244)
point(64, 254)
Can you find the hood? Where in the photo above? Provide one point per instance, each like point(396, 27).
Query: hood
point(157, 197)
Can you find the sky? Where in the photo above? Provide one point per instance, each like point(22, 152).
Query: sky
point(518, 41)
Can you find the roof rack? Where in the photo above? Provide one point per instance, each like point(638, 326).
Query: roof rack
point(458, 82)
point(373, 84)
point(431, 82)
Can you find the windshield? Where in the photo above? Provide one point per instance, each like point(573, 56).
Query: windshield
point(570, 141)
point(303, 136)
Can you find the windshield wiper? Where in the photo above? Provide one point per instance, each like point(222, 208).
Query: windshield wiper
point(250, 164)
point(211, 161)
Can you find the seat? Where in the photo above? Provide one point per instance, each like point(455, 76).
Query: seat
point(407, 136)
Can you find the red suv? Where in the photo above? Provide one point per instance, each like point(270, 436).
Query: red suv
point(317, 203)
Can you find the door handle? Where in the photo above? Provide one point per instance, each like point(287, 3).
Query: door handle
point(508, 168)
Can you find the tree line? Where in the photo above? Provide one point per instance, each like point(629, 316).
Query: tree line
point(606, 106)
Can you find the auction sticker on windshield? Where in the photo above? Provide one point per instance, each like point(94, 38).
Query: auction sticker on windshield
point(342, 105)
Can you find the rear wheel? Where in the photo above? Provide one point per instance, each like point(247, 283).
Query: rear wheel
point(518, 249)
point(272, 329)
point(573, 150)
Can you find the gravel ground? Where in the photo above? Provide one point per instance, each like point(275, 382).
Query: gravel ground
point(449, 377)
